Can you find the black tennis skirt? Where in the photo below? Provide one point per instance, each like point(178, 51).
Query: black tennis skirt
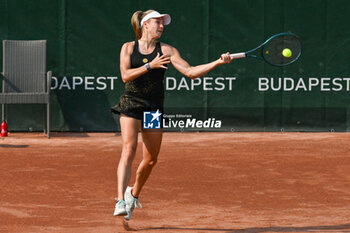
point(134, 106)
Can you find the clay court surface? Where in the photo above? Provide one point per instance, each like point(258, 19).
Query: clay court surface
point(203, 182)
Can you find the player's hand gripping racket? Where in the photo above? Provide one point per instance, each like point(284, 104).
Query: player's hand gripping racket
point(279, 50)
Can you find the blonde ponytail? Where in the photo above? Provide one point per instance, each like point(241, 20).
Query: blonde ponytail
point(136, 20)
point(135, 23)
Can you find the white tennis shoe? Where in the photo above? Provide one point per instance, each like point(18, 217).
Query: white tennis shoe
point(120, 208)
point(131, 202)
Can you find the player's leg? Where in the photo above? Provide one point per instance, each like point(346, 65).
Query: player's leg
point(152, 140)
point(129, 131)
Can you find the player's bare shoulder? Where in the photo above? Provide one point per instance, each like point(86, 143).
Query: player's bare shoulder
point(168, 49)
point(128, 47)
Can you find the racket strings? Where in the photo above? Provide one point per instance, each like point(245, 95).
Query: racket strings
point(273, 50)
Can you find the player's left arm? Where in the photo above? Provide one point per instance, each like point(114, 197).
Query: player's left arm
point(193, 71)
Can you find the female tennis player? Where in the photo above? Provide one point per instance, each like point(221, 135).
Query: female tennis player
point(142, 65)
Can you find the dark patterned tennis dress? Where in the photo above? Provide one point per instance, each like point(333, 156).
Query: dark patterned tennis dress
point(145, 93)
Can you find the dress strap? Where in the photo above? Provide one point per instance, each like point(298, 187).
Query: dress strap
point(136, 46)
point(159, 48)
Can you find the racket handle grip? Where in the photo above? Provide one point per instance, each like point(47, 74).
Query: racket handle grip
point(238, 55)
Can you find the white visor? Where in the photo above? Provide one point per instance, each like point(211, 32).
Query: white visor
point(155, 14)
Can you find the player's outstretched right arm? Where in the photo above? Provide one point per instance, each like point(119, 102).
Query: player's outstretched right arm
point(193, 71)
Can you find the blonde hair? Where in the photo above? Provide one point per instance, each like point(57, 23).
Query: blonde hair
point(136, 20)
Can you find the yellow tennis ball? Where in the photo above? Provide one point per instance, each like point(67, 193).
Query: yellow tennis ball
point(286, 52)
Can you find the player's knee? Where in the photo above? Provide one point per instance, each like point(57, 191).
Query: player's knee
point(152, 162)
point(129, 148)
point(128, 153)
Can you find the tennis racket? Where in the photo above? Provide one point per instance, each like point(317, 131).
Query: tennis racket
point(279, 50)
